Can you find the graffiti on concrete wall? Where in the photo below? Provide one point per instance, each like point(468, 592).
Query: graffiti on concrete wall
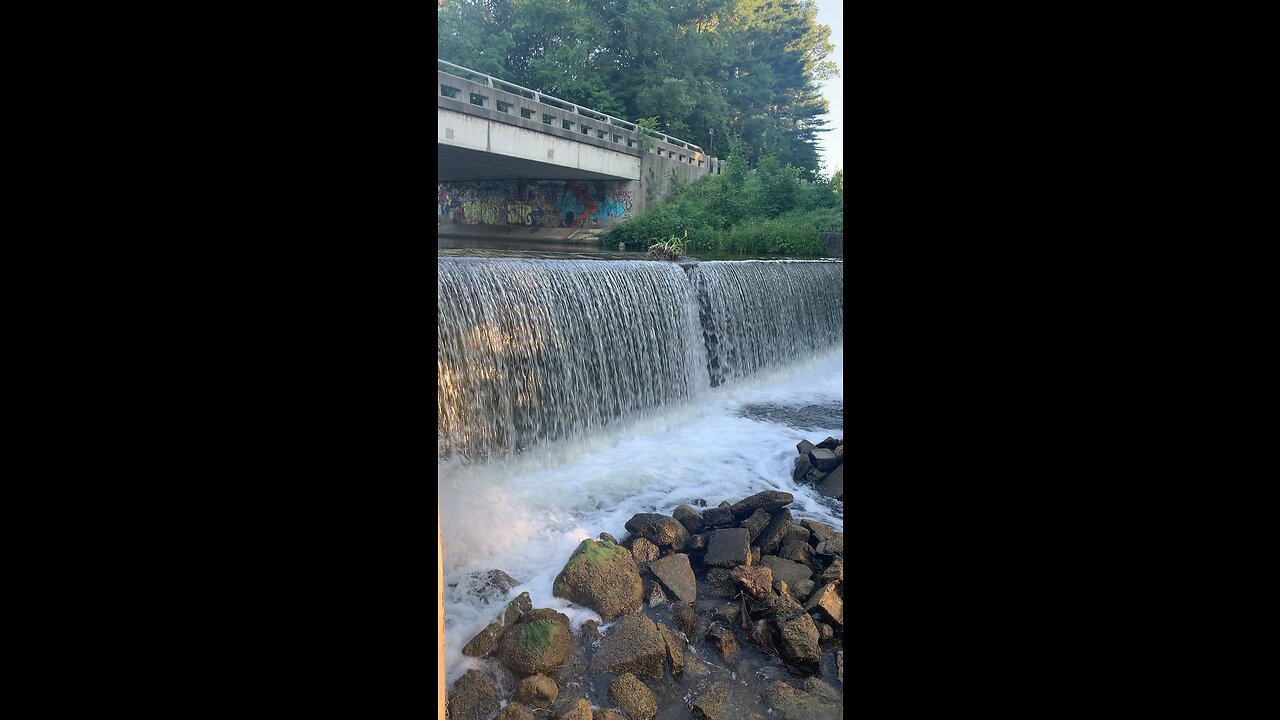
point(546, 203)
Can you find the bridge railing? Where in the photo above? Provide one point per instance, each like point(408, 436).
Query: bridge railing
point(664, 145)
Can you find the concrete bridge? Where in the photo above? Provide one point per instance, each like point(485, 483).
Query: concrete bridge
point(517, 161)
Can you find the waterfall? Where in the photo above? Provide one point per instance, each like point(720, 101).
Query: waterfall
point(539, 350)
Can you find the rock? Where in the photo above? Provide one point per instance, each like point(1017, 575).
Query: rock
point(688, 517)
point(827, 603)
point(628, 693)
point(698, 543)
point(675, 649)
point(801, 553)
point(676, 574)
point(840, 665)
point(490, 585)
point(606, 715)
point(536, 644)
point(825, 632)
point(804, 446)
point(642, 551)
point(785, 605)
point(483, 642)
point(660, 530)
point(656, 596)
point(802, 589)
point(761, 635)
point(473, 697)
point(830, 443)
point(757, 581)
point(722, 641)
point(709, 705)
point(840, 452)
point(700, 502)
point(719, 583)
point(756, 523)
point(821, 531)
point(728, 548)
point(516, 608)
point(606, 536)
point(685, 618)
point(798, 639)
point(590, 632)
point(755, 556)
point(728, 613)
point(833, 484)
point(788, 703)
point(832, 547)
point(717, 517)
point(783, 569)
point(770, 537)
point(633, 645)
point(835, 573)
point(802, 468)
point(815, 476)
point(516, 711)
point(823, 459)
point(602, 576)
point(795, 537)
point(724, 504)
point(769, 500)
point(580, 710)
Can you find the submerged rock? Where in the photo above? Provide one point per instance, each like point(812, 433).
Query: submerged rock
point(633, 645)
point(602, 576)
point(723, 641)
point(628, 693)
point(473, 697)
point(536, 644)
point(685, 617)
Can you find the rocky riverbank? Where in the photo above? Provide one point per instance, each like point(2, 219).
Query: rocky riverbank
point(718, 613)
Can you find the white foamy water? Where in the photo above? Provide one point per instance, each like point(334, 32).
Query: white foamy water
point(526, 516)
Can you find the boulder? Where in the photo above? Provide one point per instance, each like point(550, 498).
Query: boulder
point(756, 523)
point(642, 551)
point(688, 517)
point(798, 639)
point(515, 711)
point(840, 665)
point(815, 476)
point(724, 504)
point(602, 576)
point(840, 452)
point(676, 574)
point(728, 548)
point(628, 693)
point(769, 500)
point(760, 634)
point(580, 710)
point(756, 581)
point(698, 543)
point(719, 583)
point(821, 531)
point(835, 573)
point(785, 605)
point(485, 640)
point(833, 484)
point(755, 556)
point(633, 645)
point(770, 538)
point(675, 649)
point(825, 632)
point(700, 502)
point(832, 547)
point(717, 517)
point(791, 572)
point(488, 585)
point(804, 446)
point(473, 697)
point(603, 714)
point(662, 530)
point(685, 617)
point(801, 553)
point(823, 459)
point(795, 537)
point(728, 613)
point(723, 641)
point(710, 703)
point(802, 468)
point(536, 644)
point(827, 603)
point(590, 632)
point(830, 443)
point(802, 589)
point(607, 536)
point(818, 701)
point(656, 596)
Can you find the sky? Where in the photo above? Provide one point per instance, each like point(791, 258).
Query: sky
point(831, 144)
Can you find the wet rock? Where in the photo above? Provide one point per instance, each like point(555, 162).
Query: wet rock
point(827, 603)
point(675, 648)
point(606, 536)
point(820, 531)
point(688, 517)
point(790, 703)
point(483, 642)
point(473, 697)
point(833, 484)
point(823, 459)
point(814, 476)
point(489, 585)
point(642, 551)
point(727, 613)
point(723, 641)
point(761, 635)
point(580, 710)
point(770, 539)
point(756, 523)
point(603, 714)
point(590, 632)
point(840, 665)
point(719, 583)
point(700, 502)
point(656, 596)
point(724, 504)
point(755, 555)
point(717, 517)
point(795, 537)
point(710, 703)
point(757, 581)
point(802, 589)
point(834, 573)
point(676, 574)
point(825, 632)
point(769, 500)
point(728, 548)
point(830, 443)
point(536, 644)
point(840, 452)
point(783, 569)
point(798, 639)
point(602, 576)
point(633, 696)
point(659, 529)
point(516, 711)
point(802, 468)
point(698, 543)
point(685, 618)
point(633, 645)
point(804, 447)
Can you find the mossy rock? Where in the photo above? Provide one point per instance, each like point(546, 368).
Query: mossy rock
point(537, 644)
point(602, 576)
